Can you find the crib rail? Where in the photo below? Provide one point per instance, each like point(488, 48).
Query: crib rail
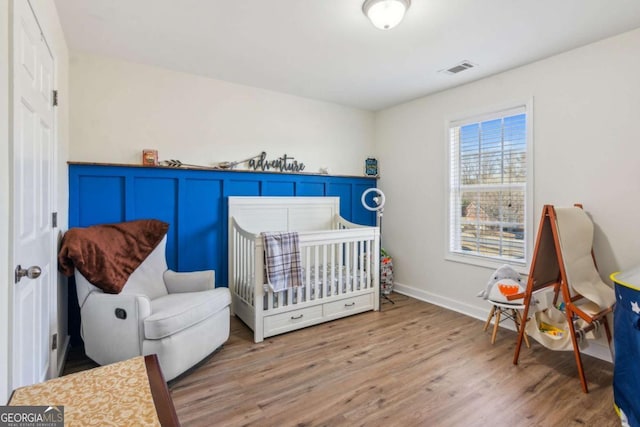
point(242, 267)
point(336, 263)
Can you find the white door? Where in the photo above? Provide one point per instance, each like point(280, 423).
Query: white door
point(33, 246)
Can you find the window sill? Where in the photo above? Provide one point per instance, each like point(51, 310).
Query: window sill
point(489, 263)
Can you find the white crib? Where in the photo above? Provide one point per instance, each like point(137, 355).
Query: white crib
point(340, 263)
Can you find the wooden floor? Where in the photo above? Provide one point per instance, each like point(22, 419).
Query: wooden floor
point(412, 364)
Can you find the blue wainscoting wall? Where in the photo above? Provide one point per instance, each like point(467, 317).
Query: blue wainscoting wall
point(194, 203)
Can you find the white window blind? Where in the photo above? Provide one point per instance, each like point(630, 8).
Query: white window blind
point(488, 184)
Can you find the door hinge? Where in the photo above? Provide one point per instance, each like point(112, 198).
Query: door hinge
point(55, 98)
point(54, 219)
point(54, 342)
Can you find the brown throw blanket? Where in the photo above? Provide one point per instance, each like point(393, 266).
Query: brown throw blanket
point(107, 254)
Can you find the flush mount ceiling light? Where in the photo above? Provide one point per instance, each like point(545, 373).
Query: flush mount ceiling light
point(385, 14)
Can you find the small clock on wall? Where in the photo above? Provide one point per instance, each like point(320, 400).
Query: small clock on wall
point(371, 167)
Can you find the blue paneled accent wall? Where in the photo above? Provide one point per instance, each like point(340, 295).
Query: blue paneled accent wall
point(194, 203)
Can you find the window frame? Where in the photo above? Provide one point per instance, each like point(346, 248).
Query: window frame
point(478, 116)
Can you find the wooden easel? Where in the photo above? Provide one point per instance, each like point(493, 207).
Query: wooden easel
point(547, 269)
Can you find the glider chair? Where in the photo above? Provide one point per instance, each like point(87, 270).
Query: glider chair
point(181, 317)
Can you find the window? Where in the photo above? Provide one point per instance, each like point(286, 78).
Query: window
point(488, 186)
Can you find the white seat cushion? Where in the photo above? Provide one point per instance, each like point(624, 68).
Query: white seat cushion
point(174, 312)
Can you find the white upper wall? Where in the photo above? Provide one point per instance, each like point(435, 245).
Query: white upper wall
point(586, 150)
point(120, 108)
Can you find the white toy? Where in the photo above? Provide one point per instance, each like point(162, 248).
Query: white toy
point(503, 282)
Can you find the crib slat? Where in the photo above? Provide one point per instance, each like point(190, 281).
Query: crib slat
point(334, 265)
point(307, 282)
point(341, 267)
point(367, 265)
point(233, 270)
point(347, 273)
point(252, 274)
point(361, 262)
point(237, 266)
point(271, 297)
point(247, 255)
point(344, 265)
point(241, 265)
point(316, 275)
point(249, 271)
point(298, 292)
point(247, 295)
point(354, 272)
point(325, 266)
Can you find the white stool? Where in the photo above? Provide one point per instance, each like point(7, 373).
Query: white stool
point(510, 311)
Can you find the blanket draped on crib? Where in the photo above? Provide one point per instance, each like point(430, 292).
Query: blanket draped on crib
point(282, 260)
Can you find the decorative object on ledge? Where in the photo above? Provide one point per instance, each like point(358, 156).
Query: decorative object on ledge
point(259, 162)
point(282, 164)
point(231, 165)
point(371, 167)
point(149, 157)
point(171, 163)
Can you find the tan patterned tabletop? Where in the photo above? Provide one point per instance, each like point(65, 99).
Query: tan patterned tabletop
point(111, 395)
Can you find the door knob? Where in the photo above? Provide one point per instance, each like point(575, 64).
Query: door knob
point(32, 272)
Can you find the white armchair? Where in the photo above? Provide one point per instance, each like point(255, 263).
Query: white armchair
point(181, 317)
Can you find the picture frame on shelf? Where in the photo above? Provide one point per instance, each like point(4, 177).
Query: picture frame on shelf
point(371, 167)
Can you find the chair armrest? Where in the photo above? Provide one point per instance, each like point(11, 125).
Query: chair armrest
point(112, 326)
point(194, 281)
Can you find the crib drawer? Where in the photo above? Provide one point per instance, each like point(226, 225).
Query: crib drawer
point(284, 322)
point(347, 306)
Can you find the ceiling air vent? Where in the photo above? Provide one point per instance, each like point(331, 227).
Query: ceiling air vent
point(464, 65)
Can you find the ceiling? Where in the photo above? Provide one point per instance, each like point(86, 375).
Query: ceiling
point(328, 50)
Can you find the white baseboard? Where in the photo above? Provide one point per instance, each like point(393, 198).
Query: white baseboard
point(596, 349)
point(441, 301)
